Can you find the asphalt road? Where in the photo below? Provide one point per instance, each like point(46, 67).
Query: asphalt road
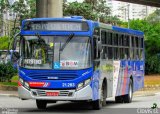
point(28, 106)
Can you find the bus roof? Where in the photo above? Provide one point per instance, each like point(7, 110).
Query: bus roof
point(126, 30)
point(73, 18)
point(120, 29)
point(103, 25)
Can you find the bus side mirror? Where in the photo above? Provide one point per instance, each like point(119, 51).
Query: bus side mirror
point(14, 58)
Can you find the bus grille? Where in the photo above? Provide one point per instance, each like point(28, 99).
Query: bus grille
point(61, 92)
point(52, 76)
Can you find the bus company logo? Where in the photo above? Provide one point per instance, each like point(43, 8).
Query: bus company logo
point(53, 78)
point(46, 84)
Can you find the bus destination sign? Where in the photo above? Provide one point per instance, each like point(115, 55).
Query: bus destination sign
point(56, 26)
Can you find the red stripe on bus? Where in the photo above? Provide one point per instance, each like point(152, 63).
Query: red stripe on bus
point(125, 80)
point(36, 84)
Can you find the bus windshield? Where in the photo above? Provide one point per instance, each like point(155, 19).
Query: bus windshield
point(55, 52)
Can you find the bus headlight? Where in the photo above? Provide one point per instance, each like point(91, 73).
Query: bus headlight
point(86, 82)
point(26, 85)
point(83, 84)
point(80, 86)
point(21, 81)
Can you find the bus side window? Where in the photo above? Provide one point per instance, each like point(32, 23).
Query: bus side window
point(116, 53)
point(104, 52)
point(127, 39)
point(137, 47)
point(121, 53)
point(109, 38)
point(110, 52)
point(132, 39)
point(103, 37)
point(115, 39)
point(142, 42)
point(141, 48)
point(120, 39)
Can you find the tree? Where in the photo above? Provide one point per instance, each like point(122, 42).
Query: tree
point(154, 17)
point(100, 7)
point(81, 9)
point(4, 6)
point(23, 11)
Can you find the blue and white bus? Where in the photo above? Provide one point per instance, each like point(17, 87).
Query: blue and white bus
point(73, 59)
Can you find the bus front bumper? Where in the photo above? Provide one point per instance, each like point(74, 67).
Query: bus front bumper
point(64, 95)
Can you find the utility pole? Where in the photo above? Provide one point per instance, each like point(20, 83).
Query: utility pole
point(49, 8)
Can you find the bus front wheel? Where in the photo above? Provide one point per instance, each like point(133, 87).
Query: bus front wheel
point(128, 98)
point(97, 105)
point(41, 104)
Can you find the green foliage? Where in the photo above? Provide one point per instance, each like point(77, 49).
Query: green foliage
point(154, 17)
point(24, 10)
point(7, 72)
point(4, 41)
point(152, 64)
point(90, 9)
point(15, 78)
point(9, 83)
point(80, 9)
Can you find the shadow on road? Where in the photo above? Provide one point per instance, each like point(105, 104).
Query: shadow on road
point(70, 107)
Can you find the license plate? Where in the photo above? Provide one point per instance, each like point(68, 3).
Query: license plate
point(52, 93)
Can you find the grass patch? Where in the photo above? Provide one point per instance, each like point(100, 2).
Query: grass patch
point(9, 83)
point(14, 78)
point(152, 80)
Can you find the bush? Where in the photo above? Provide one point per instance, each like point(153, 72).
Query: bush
point(4, 41)
point(7, 72)
point(152, 64)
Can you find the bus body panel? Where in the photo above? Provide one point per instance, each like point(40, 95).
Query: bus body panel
point(117, 73)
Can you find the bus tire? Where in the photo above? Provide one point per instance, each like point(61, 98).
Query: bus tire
point(41, 104)
point(128, 98)
point(119, 99)
point(97, 105)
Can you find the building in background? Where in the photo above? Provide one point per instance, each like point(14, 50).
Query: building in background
point(126, 11)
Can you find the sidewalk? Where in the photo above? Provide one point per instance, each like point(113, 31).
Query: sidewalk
point(146, 92)
point(8, 93)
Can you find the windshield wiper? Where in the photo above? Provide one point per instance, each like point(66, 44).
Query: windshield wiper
point(40, 40)
point(68, 40)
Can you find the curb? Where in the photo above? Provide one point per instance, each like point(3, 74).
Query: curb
point(8, 88)
point(152, 94)
point(8, 95)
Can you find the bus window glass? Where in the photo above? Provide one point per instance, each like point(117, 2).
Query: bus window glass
point(116, 53)
point(132, 39)
point(104, 52)
point(103, 37)
point(136, 42)
point(46, 52)
point(142, 43)
point(116, 39)
point(110, 53)
point(109, 38)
